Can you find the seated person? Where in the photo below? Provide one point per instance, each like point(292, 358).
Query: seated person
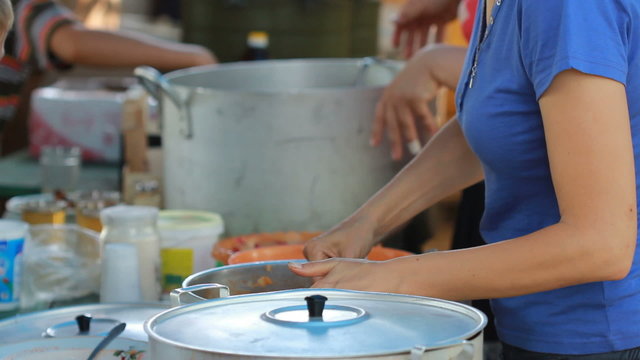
point(47, 36)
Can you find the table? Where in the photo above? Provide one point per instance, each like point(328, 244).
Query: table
point(20, 175)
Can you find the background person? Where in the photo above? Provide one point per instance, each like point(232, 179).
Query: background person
point(46, 36)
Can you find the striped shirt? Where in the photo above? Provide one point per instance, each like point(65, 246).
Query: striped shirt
point(27, 49)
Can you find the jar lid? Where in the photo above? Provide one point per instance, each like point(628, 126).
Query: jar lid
point(296, 323)
point(13, 229)
point(128, 214)
point(190, 220)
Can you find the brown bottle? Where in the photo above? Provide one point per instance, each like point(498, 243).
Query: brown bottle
point(257, 46)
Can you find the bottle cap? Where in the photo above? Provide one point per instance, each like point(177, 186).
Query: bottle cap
point(258, 39)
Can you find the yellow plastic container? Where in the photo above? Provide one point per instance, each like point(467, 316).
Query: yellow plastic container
point(186, 240)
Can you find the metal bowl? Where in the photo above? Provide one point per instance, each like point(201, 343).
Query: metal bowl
point(249, 278)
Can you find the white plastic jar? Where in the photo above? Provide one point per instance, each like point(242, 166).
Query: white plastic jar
point(137, 226)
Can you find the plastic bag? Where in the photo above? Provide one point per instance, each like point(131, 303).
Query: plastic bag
point(61, 263)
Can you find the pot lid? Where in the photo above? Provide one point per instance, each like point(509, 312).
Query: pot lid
point(318, 323)
point(62, 322)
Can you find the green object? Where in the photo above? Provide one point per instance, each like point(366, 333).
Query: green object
point(296, 28)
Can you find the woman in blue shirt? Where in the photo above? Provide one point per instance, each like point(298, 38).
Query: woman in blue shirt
point(549, 116)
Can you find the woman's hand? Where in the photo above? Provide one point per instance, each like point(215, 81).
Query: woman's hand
point(353, 238)
point(416, 19)
point(404, 102)
point(352, 274)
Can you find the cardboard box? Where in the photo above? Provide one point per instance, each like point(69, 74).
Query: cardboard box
point(83, 112)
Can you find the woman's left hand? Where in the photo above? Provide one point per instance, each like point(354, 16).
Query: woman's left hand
point(352, 274)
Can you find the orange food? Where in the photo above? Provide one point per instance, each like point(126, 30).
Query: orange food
point(295, 252)
point(263, 281)
point(224, 248)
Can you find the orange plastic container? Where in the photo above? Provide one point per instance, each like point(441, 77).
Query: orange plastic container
point(295, 252)
point(224, 248)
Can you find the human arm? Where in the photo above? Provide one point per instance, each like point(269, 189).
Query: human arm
point(406, 99)
point(444, 166)
point(76, 44)
point(586, 124)
point(415, 20)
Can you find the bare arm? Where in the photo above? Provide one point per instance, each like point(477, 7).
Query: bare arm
point(445, 166)
point(588, 137)
point(75, 44)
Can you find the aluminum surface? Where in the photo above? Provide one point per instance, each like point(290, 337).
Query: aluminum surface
point(62, 321)
point(238, 326)
point(275, 145)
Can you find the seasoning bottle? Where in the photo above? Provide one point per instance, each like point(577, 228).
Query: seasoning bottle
point(136, 226)
point(257, 46)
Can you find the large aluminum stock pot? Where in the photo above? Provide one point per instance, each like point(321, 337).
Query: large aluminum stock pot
point(317, 324)
point(272, 145)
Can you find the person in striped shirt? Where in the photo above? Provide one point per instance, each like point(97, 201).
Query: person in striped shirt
point(46, 36)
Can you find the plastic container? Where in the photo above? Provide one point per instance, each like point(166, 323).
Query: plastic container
point(12, 237)
point(61, 265)
point(136, 225)
point(295, 252)
point(44, 212)
point(186, 240)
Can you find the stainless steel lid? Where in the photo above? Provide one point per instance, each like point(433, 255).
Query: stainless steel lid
point(62, 322)
point(286, 324)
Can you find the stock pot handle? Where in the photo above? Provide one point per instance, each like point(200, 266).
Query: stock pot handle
point(466, 351)
point(366, 62)
point(186, 296)
point(156, 84)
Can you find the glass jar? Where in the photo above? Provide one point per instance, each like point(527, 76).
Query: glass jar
point(136, 226)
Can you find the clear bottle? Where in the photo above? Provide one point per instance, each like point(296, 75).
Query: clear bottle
point(137, 226)
point(257, 46)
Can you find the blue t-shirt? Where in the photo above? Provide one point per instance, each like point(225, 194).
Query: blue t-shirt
point(527, 43)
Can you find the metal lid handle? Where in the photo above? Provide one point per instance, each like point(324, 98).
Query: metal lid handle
point(315, 305)
point(464, 350)
point(186, 296)
point(84, 323)
point(155, 84)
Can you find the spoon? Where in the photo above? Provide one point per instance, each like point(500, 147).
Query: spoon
point(113, 333)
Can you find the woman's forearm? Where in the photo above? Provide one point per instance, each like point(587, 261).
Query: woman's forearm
point(557, 256)
point(444, 63)
point(445, 165)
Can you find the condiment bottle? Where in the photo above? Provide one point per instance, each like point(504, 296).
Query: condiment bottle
point(136, 225)
point(257, 46)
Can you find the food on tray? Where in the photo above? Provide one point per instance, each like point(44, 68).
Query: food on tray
point(228, 246)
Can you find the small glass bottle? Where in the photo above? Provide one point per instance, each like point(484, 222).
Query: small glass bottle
point(257, 46)
point(137, 226)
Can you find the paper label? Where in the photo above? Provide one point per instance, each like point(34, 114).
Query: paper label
point(10, 266)
point(177, 265)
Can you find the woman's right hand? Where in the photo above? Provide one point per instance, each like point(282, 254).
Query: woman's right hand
point(405, 102)
point(353, 238)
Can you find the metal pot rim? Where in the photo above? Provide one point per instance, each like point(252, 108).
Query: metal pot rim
point(174, 75)
point(186, 282)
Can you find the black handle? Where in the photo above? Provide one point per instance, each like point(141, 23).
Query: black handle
point(315, 305)
point(84, 323)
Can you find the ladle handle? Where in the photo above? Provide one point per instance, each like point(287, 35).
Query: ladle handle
point(113, 333)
